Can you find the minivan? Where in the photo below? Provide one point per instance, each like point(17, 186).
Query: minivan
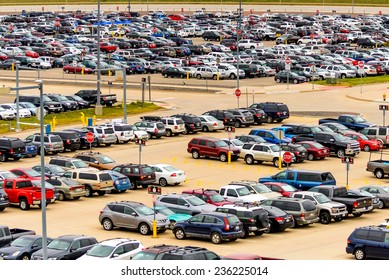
point(369, 242)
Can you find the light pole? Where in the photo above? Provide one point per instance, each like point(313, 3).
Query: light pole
point(129, 6)
point(98, 108)
point(237, 39)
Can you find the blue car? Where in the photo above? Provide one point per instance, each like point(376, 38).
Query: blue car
point(288, 131)
point(217, 227)
point(270, 136)
point(172, 216)
point(120, 181)
point(31, 150)
point(22, 247)
point(136, 67)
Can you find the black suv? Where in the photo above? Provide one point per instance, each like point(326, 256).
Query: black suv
point(190, 253)
point(337, 143)
point(49, 105)
point(192, 122)
point(11, 147)
point(242, 117)
point(139, 175)
point(275, 111)
point(259, 115)
point(212, 36)
point(67, 105)
point(82, 135)
point(253, 217)
point(71, 139)
point(222, 115)
point(298, 150)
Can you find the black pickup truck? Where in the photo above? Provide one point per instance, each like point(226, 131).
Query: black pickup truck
point(11, 147)
point(356, 205)
point(7, 235)
point(91, 96)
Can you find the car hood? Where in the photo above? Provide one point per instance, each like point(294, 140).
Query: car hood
point(266, 179)
point(10, 250)
point(334, 204)
point(252, 198)
point(51, 253)
point(222, 203)
point(206, 208)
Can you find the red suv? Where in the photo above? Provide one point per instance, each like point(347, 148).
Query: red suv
point(209, 196)
point(211, 147)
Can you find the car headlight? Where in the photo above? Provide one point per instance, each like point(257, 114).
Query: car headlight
point(117, 182)
point(14, 254)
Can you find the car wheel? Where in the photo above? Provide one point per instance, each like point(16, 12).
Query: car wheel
point(144, 229)
point(205, 128)
point(340, 153)
point(166, 75)
point(278, 80)
point(295, 81)
point(149, 136)
point(3, 157)
point(232, 76)
point(195, 154)
point(61, 196)
point(311, 157)
point(162, 182)
point(179, 234)
point(359, 254)
point(23, 204)
point(379, 174)
point(269, 119)
point(275, 162)
point(168, 133)
point(343, 76)
point(107, 224)
point(67, 71)
point(214, 77)
point(172, 224)
point(198, 76)
point(133, 185)
point(366, 148)
point(245, 232)
point(237, 124)
point(25, 257)
point(381, 204)
point(249, 159)
point(325, 218)
point(270, 228)
point(88, 192)
point(216, 238)
point(223, 157)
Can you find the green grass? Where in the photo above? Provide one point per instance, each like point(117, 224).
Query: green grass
point(350, 82)
point(74, 117)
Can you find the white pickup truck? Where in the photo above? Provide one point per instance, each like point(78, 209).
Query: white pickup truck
point(239, 193)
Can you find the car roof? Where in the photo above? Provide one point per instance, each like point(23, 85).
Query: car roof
point(117, 241)
point(160, 248)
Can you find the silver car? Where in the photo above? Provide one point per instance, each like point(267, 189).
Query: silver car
point(105, 135)
point(210, 123)
point(132, 215)
point(184, 204)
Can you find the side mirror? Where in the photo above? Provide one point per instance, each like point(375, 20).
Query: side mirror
point(96, 162)
point(134, 214)
point(332, 140)
point(115, 255)
point(186, 204)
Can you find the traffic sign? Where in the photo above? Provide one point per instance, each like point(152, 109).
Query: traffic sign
point(311, 36)
point(90, 137)
point(154, 190)
point(287, 60)
point(287, 157)
point(74, 63)
point(349, 160)
point(361, 64)
point(313, 68)
point(383, 107)
point(140, 141)
point(229, 129)
point(237, 92)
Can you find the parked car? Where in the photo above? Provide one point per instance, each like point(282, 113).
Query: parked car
point(97, 160)
point(211, 147)
point(168, 175)
point(22, 247)
point(315, 150)
point(275, 111)
point(382, 192)
point(279, 220)
point(171, 215)
point(155, 252)
point(71, 140)
point(67, 188)
point(11, 147)
point(139, 175)
point(210, 123)
point(184, 204)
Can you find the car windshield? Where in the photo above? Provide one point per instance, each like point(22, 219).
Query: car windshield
point(62, 98)
point(317, 145)
point(100, 251)
point(170, 168)
point(275, 148)
point(77, 98)
point(216, 198)
point(105, 159)
point(321, 198)
point(28, 105)
point(8, 175)
point(243, 191)
point(237, 142)
point(195, 201)
point(22, 242)
point(144, 256)
point(359, 119)
point(144, 210)
point(59, 244)
point(166, 211)
point(56, 169)
point(221, 144)
point(363, 136)
point(339, 137)
point(261, 189)
point(80, 164)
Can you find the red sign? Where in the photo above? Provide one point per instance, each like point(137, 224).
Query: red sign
point(90, 137)
point(182, 10)
point(43, 9)
point(287, 60)
point(287, 157)
point(317, 12)
point(311, 36)
point(380, 13)
point(237, 92)
point(361, 64)
point(117, 8)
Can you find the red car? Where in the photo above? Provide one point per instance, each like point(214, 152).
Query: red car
point(76, 69)
point(366, 144)
point(27, 173)
point(31, 54)
point(209, 196)
point(247, 256)
point(282, 188)
point(315, 150)
point(3, 56)
point(176, 17)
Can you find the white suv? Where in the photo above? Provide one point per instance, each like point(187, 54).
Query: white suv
point(339, 71)
point(261, 152)
point(230, 70)
point(206, 72)
point(173, 125)
point(123, 132)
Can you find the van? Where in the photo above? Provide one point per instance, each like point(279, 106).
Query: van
point(301, 179)
point(369, 242)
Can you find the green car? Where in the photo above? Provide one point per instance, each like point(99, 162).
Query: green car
point(172, 216)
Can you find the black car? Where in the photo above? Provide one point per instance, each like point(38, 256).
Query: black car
point(66, 247)
point(226, 117)
point(71, 140)
point(279, 219)
point(250, 70)
point(82, 135)
point(22, 248)
point(192, 122)
point(67, 105)
point(174, 72)
point(259, 115)
point(82, 104)
point(275, 111)
point(11, 147)
point(138, 174)
point(298, 150)
point(291, 77)
point(212, 36)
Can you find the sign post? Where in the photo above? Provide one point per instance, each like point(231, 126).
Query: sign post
point(347, 161)
point(238, 94)
point(287, 68)
point(140, 142)
point(90, 137)
point(313, 71)
point(229, 129)
point(154, 190)
point(383, 108)
point(361, 64)
point(287, 158)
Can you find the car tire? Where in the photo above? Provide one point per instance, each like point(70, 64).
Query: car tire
point(144, 229)
point(198, 76)
point(163, 182)
point(179, 233)
point(169, 133)
point(381, 204)
point(379, 174)
point(245, 232)
point(61, 196)
point(107, 224)
point(278, 80)
point(3, 157)
point(67, 71)
point(366, 148)
point(195, 154)
point(205, 128)
point(340, 153)
point(325, 218)
point(166, 75)
point(223, 157)
point(232, 76)
point(249, 159)
point(270, 228)
point(23, 204)
point(269, 119)
point(88, 191)
point(25, 257)
point(237, 124)
point(216, 238)
point(359, 254)
point(343, 76)
point(295, 81)
point(275, 162)
point(133, 185)
point(311, 157)
point(172, 224)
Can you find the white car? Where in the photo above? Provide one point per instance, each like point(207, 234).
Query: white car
point(123, 132)
point(113, 249)
point(23, 113)
point(168, 175)
point(236, 143)
point(6, 114)
point(210, 123)
point(139, 134)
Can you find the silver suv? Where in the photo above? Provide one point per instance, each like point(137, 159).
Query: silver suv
point(379, 132)
point(53, 143)
point(252, 152)
point(105, 135)
point(68, 162)
point(184, 204)
point(153, 128)
point(207, 72)
point(173, 125)
point(131, 215)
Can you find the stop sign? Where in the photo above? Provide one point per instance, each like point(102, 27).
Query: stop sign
point(287, 157)
point(90, 137)
point(287, 60)
point(237, 92)
point(361, 64)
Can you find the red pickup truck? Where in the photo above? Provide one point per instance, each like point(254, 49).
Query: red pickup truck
point(106, 47)
point(21, 191)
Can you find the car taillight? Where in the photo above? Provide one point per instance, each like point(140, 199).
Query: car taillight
point(355, 204)
point(302, 215)
point(11, 151)
point(98, 185)
point(155, 130)
point(50, 145)
point(141, 177)
point(67, 141)
point(214, 124)
point(191, 125)
point(348, 241)
point(173, 175)
point(279, 219)
point(175, 127)
point(226, 224)
point(251, 220)
point(103, 136)
point(297, 152)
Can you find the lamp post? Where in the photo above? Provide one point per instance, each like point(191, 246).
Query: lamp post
point(237, 39)
point(98, 108)
point(129, 6)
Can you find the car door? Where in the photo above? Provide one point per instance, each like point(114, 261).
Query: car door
point(194, 226)
point(232, 195)
point(266, 153)
point(74, 250)
point(130, 217)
